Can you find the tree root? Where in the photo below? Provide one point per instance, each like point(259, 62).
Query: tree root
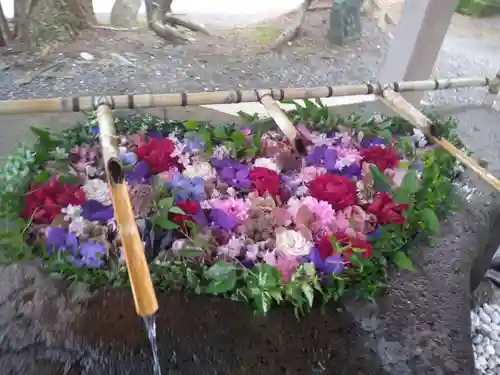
point(176, 21)
point(167, 26)
point(293, 31)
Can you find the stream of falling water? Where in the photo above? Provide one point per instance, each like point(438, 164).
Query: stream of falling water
point(150, 323)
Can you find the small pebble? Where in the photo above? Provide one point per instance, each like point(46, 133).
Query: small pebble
point(484, 317)
point(477, 339)
point(489, 349)
point(495, 317)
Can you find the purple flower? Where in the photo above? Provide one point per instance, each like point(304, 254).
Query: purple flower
point(128, 158)
point(350, 171)
point(58, 240)
point(90, 254)
point(193, 143)
point(153, 133)
point(94, 131)
point(232, 173)
point(322, 156)
point(187, 188)
point(139, 174)
point(222, 220)
point(96, 211)
point(371, 142)
point(332, 265)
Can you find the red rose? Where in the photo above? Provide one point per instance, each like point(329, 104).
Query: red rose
point(339, 191)
point(381, 157)
point(44, 201)
point(265, 180)
point(326, 248)
point(386, 210)
point(190, 208)
point(158, 154)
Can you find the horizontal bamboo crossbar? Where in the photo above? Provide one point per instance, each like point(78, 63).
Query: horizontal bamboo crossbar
point(85, 103)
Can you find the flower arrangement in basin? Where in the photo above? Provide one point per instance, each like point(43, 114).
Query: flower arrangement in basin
point(234, 211)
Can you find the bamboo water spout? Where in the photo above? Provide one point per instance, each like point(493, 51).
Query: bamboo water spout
point(140, 279)
point(85, 103)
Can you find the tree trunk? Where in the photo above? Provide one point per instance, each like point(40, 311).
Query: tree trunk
point(39, 21)
point(124, 12)
point(4, 26)
point(2, 39)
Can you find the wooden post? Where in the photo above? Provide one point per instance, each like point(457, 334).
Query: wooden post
point(417, 41)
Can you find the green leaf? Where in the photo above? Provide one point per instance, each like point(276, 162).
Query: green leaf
point(42, 177)
point(40, 133)
point(191, 124)
point(309, 293)
point(177, 210)
point(402, 261)
point(410, 182)
point(220, 270)
point(164, 223)
point(386, 135)
point(380, 180)
point(220, 133)
point(401, 196)
point(69, 179)
point(430, 220)
point(221, 286)
point(247, 117)
point(262, 303)
point(239, 139)
point(166, 203)
point(189, 252)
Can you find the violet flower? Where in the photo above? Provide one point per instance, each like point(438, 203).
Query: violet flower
point(193, 144)
point(222, 220)
point(90, 255)
point(232, 173)
point(322, 156)
point(139, 174)
point(332, 265)
point(96, 211)
point(187, 188)
point(153, 133)
point(367, 142)
point(59, 240)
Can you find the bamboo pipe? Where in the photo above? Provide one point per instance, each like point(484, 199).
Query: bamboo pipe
point(138, 270)
point(404, 109)
point(85, 103)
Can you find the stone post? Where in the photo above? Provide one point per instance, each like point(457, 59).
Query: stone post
point(417, 41)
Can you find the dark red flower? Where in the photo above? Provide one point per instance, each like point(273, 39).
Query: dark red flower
point(381, 157)
point(265, 181)
point(326, 249)
point(190, 208)
point(339, 191)
point(158, 154)
point(386, 210)
point(44, 201)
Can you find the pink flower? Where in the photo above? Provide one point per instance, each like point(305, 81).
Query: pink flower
point(167, 176)
point(237, 208)
point(360, 222)
point(309, 173)
point(325, 219)
point(347, 157)
point(287, 267)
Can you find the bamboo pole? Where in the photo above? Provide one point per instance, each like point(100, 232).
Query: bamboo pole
point(404, 109)
point(138, 270)
point(85, 103)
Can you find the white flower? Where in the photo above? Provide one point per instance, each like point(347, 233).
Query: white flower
point(71, 212)
point(232, 249)
point(266, 163)
point(220, 152)
point(203, 169)
point(96, 189)
point(292, 243)
point(77, 226)
point(419, 136)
